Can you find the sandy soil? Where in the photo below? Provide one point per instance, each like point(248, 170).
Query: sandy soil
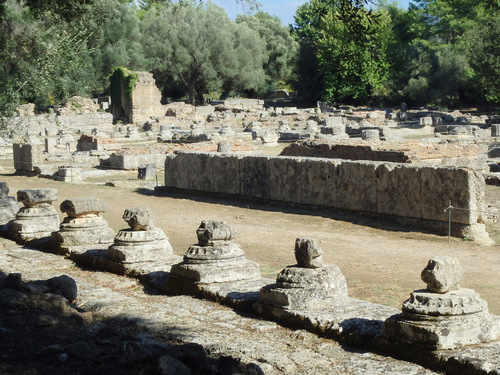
point(381, 261)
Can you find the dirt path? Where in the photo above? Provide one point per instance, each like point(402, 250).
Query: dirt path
point(382, 262)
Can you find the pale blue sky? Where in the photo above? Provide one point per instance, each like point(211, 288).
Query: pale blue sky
point(284, 9)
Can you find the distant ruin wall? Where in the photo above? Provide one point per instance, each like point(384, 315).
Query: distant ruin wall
point(402, 190)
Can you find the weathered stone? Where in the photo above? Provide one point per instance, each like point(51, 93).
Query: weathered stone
point(495, 130)
point(34, 197)
point(84, 228)
point(442, 274)
point(370, 134)
point(146, 172)
point(81, 206)
point(37, 219)
point(318, 286)
point(426, 121)
point(444, 316)
point(308, 253)
point(211, 231)
point(139, 218)
point(214, 259)
point(8, 205)
point(143, 242)
point(27, 156)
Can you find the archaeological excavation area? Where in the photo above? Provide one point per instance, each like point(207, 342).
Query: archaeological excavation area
point(371, 228)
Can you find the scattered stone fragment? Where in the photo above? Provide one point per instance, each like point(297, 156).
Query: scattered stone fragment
point(444, 316)
point(309, 284)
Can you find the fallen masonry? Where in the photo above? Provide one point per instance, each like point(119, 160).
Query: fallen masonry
point(8, 205)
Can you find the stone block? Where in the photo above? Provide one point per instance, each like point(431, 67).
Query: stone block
point(27, 156)
point(254, 172)
point(392, 180)
point(75, 207)
point(34, 197)
point(139, 218)
point(318, 179)
point(146, 172)
point(4, 190)
point(463, 187)
point(356, 186)
point(285, 182)
point(226, 176)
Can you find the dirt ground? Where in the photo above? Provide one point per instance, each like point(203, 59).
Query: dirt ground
point(382, 261)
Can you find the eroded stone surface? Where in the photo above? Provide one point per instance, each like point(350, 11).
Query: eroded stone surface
point(34, 197)
point(143, 242)
point(442, 274)
point(139, 218)
point(215, 259)
point(444, 316)
point(84, 228)
point(37, 219)
point(8, 205)
point(308, 285)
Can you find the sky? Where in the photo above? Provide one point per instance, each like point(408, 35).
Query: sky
point(284, 9)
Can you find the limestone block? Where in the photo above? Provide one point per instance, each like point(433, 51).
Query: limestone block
point(308, 253)
point(426, 121)
point(392, 179)
point(200, 172)
point(370, 134)
point(75, 207)
point(495, 130)
point(334, 121)
point(356, 186)
point(140, 246)
point(139, 218)
point(442, 274)
point(463, 187)
point(27, 156)
point(285, 183)
point(254, 172)
point(210, 231)
point(226, 174)
point(172, 173)
point(9, 207)
point(4, 190)
point(34, 197)
point(318, 180)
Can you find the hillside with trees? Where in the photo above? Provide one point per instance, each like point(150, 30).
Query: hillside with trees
point(441, 53)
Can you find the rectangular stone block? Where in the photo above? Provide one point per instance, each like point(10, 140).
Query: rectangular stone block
point(27, 156)
point(356, 186)
point(226, 174)
point(462, 186)
point(399, 190)
point(199, 170)
point(172, 175)
point(318, 180)
point(254, 173)
point(285, 183)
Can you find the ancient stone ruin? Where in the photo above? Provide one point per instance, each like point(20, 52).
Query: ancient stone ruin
point(215, 259)
point(308, 285)
point(84, 228)
point(142, 242)
point(8, 205)
point(445, 315)
point(38, 218)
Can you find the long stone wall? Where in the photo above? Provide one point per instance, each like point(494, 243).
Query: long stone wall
point(415, 194)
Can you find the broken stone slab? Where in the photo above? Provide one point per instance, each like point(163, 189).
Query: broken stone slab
point(215, 259)
point(76, 207)
point(143, 242)
point(84, 228)
point(34, 197)
point(443, 316)
point(308, 285)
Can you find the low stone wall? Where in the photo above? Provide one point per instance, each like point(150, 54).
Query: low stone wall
point(416, 194)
